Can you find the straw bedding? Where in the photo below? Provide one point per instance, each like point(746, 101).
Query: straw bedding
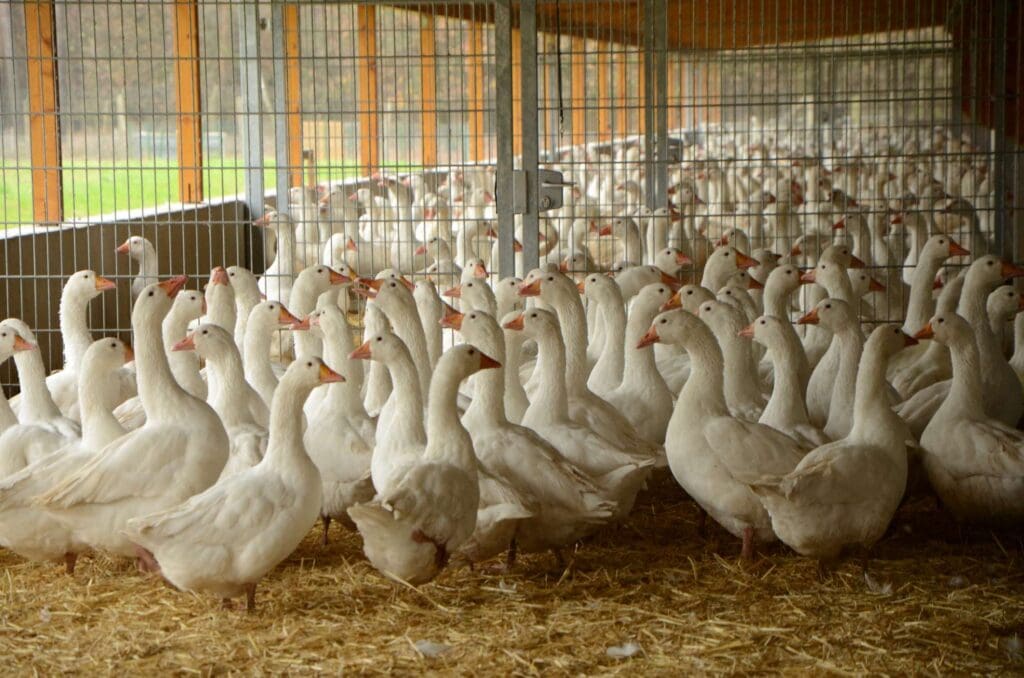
point(934, 599)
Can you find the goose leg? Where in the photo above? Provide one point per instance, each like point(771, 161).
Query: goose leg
point(702, 523)
point(250, 598)
point(510, 559)
point(69, 562)
point(327, 526)
point(748, 544)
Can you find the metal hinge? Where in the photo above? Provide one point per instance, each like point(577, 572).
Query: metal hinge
point(551, 184)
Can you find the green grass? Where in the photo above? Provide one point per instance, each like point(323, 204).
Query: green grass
point(102, 187)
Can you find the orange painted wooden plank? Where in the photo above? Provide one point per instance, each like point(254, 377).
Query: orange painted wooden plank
point(579, 90)
point(189, 101)
point(428, 86)
point(44, 121)
point(477, 145)
point(293, 97)
point(638, 102)
point(369, 123)
point(622, 112)
point(604, 75)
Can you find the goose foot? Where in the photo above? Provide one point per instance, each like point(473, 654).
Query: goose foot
point(702, 523)
point(748, 544)
point(327, 526)
point(559, 558)
point(145, 561)
point(69, 562)
point(510, 558)
point(825, 568)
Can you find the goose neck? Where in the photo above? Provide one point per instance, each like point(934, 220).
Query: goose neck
point(871, 397)
point(408, 401)
point(574, 333)
point(37, 402)
point(966, 392)
point(786, 404)
point(921, 305)
point(704, 391)
point(551, 398)
point(285, 442)
point(74, 328)
point(447, 439)
point(159, 393)
point(639, 365)
point(611, 360)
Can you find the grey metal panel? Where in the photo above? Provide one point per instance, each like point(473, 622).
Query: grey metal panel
point(503, 193)
point(650, 97)
point(248, 21)
point(530, 126)
point(1000, 146)
point(283, 162)
point(661, 113)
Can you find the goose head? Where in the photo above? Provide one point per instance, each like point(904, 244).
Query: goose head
point(86, 286)
point(1003, 303)
point(475, 294)
point(890, 339)
point(137, 248)
point(835, 314)
point(243, 281)
point(599, 288)
point(156, 300)
point(940, 247)
point(506, 294)
point(862, 283)
point(11, 340)
point(634, 278)
point(270, 315)
point(474, 269)
point(437, 247)
point(320, 278)
point(105, 356)
point(840, 253)
point(210, 341)
point(188, 305)
point(947, 328)
point(689, 298)
point(742, 280)
point(827, 274)
point(535, 323)
point(989, 271)
point(724, 319)
point(306, 374)
point(673, 327)
point(671, 260)
point(767, 330)
point(383, 347)
point(481, 329)
point(465, 359)
point(650, 298)
point(786, 277)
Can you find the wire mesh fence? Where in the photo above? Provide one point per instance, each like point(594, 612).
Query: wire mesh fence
point(382, 123)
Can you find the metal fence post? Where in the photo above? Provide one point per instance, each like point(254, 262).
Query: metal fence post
point(281, 160)
point(248, 20)
point(1000, 148)
point(503, 194)
point(530, 123)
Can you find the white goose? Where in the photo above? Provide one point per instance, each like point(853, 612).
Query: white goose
point(260, 330)
point(838, 317)
point(224, 540)
point(10, 342)
point(276, 282)
point(25, 528)
point(742, 385)
point(429, 510)
point(844, 494)
point(247, 296)
point(179, 452)
point(602, 291)
point(309, 285)
point(141, 251)
point(220, 300)
point(701, 429)
point(973, 460)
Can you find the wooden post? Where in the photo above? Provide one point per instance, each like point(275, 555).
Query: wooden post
point(369, 125)
point(293, 95)
point(477, 147)
point(428, 86)
point(641, 122)
point(604, 75)
point(517, 93)
point(622, 112)
point(579, 91)
point(44, 122)
point(189, 101)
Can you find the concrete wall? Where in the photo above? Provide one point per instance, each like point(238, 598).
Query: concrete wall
point(36, 262)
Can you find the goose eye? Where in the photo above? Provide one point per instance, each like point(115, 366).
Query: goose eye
point(764, 322)
point(472, 352)
point(664, 320)
point(551, 279)
point(309, 364)
point(113, 346)
point(533, 315)
point(990, 263)
point(319, 270)
point(661, 290)
point(380, 338)
point(206, 331)
point(151, 293)
point(942, 320)
point(689, 292)
point(942, 242)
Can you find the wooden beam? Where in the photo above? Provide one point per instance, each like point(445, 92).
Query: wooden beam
point(369, 123)
point(189, 101)
point(641, 122)
point(579, 90)
point(44, 121)
point(428, 87)
point(543, 100)
point(622, 112)
point(293, 97)
point(517, 92)
point(604, 75)
point(477, 147)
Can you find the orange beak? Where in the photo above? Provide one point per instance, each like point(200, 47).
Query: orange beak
point(754, 285)
point(361, 353)
point(372, 283)
point(421, 250)
point(480, 271)
point(747, 332)
point(605, 230)
point(350, 245)
point(675, 301)
point(721, 242)
point(807, 276)
point(957, 250)
point(530, 289)
point(103, 284)
point(516, 323)
point(666, 279)
point(581, 286)
point(329, 376)
point(743, 261)
point(875, 286)
point(219, 276)
point(123, 248)
point(937, 284)
point(683, 260)
point(1011, 271)
point(453, 293)
point(262, 221)
point(452, 319)
point(809, 318)
point(313, 319)
point(301, 326)
point(517, 246)
point(186, 344)
point(925, 332)
point(487, 362)
point(563, 265)
point(796, 251)
point(285, 317)
point(407, 283)
point(129, 354)
point(651, 337)
point(22, 345)
point(339, 278)
point(839, 224)
point(174, 285)
point(856, 263)
point(365, 291)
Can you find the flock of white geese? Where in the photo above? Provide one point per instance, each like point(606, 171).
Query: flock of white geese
point(732, 336)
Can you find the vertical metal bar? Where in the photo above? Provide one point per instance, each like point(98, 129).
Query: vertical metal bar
point(284, 163)
point(248, 20)
point(604, 125)
point(189, 101)
point(649, 99)
point(1000, 147)
point(477, 147)
point(661, 91)
point(503, 113)
point(44, 119)
point(531, 218)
